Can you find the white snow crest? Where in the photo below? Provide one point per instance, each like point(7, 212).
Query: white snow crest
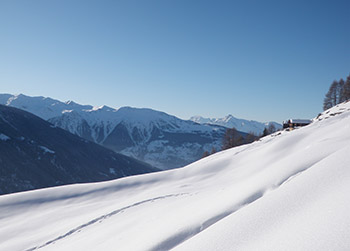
point(4, 137)
point(46, 150)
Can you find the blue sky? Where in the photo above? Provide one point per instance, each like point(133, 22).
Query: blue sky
point(261, 60)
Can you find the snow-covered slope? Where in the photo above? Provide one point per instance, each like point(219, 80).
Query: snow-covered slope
point(242, 125)
point(288, 191)
point(157, 138)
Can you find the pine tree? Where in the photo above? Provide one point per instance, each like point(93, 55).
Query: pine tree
point(205, 154)
point(271, 129)
point(240, 140)
point(230, 138)
point(265, 132)
point(251, 137)
point(332, 96)
point(333, 89)
point(327, 102)
point(346, 89)
point(340, 91)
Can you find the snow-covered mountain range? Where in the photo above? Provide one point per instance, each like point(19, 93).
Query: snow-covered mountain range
point(287, 191)
point(162, 140)
point(35, 154)
point(242, 125)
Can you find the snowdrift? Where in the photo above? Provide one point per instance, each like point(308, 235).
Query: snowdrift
point(288, 191)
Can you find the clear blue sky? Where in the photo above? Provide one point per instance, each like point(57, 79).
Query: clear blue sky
point(261, 60)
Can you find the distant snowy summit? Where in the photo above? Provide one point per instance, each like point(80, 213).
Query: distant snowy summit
point(243, 125)
point(162, 140)
point(35, 154)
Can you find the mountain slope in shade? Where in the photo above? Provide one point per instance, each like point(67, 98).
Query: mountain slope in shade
point(34, 154)
point(288, 191)
point(155, 137)
point(242, 125)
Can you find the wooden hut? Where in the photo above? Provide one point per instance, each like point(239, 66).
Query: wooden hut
point(292, 123)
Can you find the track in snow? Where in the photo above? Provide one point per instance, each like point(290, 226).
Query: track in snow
point(102, 218)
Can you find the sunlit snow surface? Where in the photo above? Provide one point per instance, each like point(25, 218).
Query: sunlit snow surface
point(288, 191)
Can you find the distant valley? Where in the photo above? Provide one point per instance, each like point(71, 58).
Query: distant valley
point(35, 154)
point(162, 140)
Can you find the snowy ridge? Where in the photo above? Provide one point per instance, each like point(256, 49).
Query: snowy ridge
point(242, 125)
point(43, 107)
point(35, 154)
point(288, 191)
point(132, 131)
point(143, 118)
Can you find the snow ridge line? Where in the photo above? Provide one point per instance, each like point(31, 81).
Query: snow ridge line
point(102, 218)
point(179, 238)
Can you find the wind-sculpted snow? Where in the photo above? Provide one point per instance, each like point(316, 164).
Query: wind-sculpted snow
point(288, 191)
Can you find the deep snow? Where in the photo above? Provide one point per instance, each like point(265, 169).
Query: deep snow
point(288, 191)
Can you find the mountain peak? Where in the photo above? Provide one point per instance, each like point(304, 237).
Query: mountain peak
point(158, 138)
point(229, 121)
point(70, 102)
point(39, 154)
point(103, 108)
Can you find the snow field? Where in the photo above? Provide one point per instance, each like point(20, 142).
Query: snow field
point(288, 191)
